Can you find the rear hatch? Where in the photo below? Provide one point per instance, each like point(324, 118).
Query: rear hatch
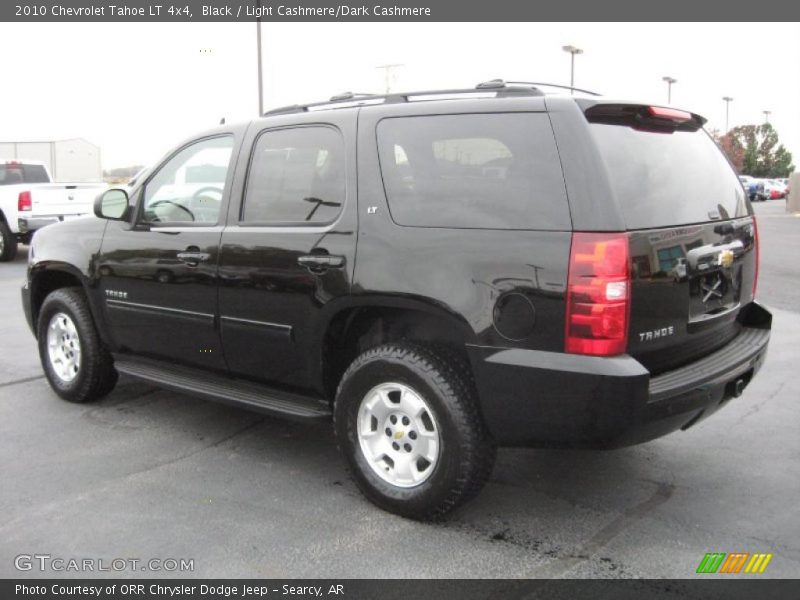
point(693, 248)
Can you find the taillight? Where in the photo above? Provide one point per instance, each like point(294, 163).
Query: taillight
point(756, 244)
point(24, 201)
point(598, 294)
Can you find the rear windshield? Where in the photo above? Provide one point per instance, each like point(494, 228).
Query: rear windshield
point(14, 174)
point(481, 171)
point(663, 179)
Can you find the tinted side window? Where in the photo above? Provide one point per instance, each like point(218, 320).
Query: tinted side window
point(188, 187)
point(489, 171)
point(296, 176)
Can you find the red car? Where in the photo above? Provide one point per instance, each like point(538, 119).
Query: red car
point(774, 190)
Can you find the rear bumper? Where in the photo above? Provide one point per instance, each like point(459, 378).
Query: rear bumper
point(535, 398)
point(28, 225)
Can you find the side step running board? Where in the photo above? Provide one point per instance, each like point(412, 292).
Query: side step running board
point(220, 388)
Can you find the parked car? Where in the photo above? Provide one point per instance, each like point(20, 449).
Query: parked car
point(29, 201)
point(438, 273)
point(774, 189)
point(754, 188)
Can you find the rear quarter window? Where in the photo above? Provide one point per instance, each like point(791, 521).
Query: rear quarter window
point(478, 171)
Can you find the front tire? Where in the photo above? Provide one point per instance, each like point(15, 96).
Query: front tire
point(408, 425)
point(77, 365)
point(8, 243)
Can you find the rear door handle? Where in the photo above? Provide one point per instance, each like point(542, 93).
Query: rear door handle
point(193, 258)
point(320, 262)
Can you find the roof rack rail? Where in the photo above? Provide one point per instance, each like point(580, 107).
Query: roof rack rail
point(344, 96)
point(542, 83)
point(500, 89)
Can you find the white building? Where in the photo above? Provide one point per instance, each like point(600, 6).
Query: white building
point(68, 160)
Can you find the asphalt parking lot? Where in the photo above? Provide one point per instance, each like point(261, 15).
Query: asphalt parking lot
point(152, 474)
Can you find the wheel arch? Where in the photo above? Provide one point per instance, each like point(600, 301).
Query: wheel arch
point(368, 321)
point(47, 278)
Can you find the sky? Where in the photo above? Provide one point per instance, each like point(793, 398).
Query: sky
point(137, 89)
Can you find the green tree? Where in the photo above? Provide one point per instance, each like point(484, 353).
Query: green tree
point(756, 150)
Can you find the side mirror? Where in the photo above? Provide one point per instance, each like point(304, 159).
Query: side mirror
point(113, 205)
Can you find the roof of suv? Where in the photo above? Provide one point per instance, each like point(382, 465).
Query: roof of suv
point(496, 88)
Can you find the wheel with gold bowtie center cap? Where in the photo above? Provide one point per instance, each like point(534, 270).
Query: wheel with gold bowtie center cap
point(398, 435)
point(408, 424)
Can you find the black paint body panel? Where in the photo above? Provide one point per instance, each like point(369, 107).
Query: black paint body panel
point(253, 314)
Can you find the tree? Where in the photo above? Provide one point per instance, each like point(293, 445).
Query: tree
point(755, 150)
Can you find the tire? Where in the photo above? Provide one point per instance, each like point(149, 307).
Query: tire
point(452, 455)
point(77, 365)
point(8, 243)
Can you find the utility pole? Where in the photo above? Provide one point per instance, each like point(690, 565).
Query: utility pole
point(670, 81)
point(389, 73)
point(573, 50)
point(767, 113)
point(728, 101)
point(260, 69)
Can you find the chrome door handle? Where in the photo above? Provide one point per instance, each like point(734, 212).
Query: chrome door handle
point(193, 258)
point(319, 262)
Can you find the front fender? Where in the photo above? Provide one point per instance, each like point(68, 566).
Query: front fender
point(64, 255)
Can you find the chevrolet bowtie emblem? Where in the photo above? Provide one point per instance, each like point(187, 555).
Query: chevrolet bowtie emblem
point(725, 258)
point(711, 288)
point(398, 435)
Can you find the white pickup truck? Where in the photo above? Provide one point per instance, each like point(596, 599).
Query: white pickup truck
point(29, 201)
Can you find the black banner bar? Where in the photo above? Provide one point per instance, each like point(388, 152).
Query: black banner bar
point(393, 589)
point(393, 10)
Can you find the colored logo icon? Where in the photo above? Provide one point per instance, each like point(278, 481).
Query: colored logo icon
point(733, 563)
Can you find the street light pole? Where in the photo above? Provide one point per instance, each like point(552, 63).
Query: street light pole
point(728, 101)
point(260, 69)
point(573, 50)
point(388, 74)
point(767, 113)
point(670, 81)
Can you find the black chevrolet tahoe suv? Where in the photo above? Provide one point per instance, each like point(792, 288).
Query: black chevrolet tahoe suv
point(439, 273)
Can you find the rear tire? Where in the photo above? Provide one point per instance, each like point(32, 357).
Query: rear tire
point(77, 365)
point(8, 243)
point(407, 422)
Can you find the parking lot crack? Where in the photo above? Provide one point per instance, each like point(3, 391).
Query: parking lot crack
point(600, 539)
point(186, 455)
point(759, 405)
point(20, 381)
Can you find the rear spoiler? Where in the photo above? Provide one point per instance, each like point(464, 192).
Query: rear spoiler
point(657, 119)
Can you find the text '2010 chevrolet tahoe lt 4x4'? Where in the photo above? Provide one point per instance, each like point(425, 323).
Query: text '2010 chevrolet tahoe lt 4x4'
point(439, 273)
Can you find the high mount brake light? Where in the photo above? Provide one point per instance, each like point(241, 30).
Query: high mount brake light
point(656, 119)
point(598, 294)
point(661, 112)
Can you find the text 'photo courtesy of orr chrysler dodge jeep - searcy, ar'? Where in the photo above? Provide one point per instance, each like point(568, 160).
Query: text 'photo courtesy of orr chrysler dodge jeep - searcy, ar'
point(438, 273)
